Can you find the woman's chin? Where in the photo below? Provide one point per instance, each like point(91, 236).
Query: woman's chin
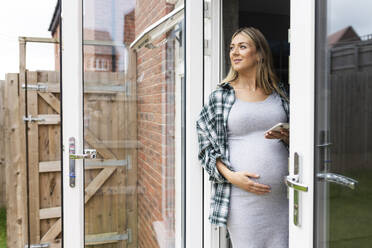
point(242, 68)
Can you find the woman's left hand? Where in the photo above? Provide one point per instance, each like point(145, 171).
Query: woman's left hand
point(283, 134)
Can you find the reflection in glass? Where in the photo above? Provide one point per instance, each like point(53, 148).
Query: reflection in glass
point(343, 121)
point(131, 117)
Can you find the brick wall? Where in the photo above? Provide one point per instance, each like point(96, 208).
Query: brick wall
point(129, 28)
point(155, 133)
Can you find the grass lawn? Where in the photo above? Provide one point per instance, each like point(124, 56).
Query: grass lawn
point(350, 213)
point(2, 228)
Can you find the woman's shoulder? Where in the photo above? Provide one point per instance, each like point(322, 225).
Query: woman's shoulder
point(219, 91)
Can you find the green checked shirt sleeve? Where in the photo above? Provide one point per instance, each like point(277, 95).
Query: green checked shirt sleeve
point(210, 138)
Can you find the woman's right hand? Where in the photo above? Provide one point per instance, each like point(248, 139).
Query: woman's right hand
point(243, 180)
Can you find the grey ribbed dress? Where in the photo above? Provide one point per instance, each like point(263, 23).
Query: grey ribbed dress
point(258, 221)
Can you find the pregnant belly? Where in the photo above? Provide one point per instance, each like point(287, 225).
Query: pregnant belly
point(267, 158)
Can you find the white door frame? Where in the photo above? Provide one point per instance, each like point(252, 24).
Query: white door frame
point(72, 121)
point(302, 88)
point(72, 81)
point(194, 103)
point(213, 236)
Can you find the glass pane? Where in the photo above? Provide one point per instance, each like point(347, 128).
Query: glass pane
point(343, 121)
point(131, 118)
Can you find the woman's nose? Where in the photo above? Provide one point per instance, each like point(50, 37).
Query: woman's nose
point(234, 50)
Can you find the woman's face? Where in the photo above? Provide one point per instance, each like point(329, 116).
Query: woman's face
point(243, 54)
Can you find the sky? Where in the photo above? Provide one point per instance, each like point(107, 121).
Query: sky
point(357, 13)
point(25, 18)
point(32, 18)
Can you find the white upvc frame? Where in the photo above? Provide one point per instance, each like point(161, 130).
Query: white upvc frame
point(302, 88)
point(213, 236)
point(194, 103)
point(72, 121)
point(158, 28)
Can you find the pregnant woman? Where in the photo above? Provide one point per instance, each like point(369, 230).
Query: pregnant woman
point(246, 164)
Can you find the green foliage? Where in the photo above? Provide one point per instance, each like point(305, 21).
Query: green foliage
point(2, 228)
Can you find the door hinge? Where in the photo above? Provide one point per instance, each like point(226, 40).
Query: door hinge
point(207, 10)
point(108, 237)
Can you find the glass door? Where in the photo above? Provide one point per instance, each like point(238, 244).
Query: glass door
point(110, 124)
point(343, 117)
point(330, 77)
point(122, 124)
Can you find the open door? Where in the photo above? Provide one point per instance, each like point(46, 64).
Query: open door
point(330, 121)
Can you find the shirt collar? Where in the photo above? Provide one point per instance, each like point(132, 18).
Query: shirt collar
point(225, 85)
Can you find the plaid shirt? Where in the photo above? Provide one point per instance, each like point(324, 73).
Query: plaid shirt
point(212, 135)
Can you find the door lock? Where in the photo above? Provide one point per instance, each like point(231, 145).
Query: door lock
point(293, 181)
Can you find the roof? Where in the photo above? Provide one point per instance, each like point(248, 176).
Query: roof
point(344, 35)
point(55, 19)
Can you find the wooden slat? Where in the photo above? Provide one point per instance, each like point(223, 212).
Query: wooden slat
point(38, 39)
point(21, 194)
point(126, 144)
point(97, 182)
point(33, 162)
point(55, 166)
point(49, 166)
point(104, 238)
point(92, 140)
point(131, 134)
point(14, 162)
point(51, 100)
point(112, 88)
point(49, 119)
point(2, 147)
point(49, 213)
point(53, 232)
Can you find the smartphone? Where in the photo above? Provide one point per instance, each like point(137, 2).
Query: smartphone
point(278, 126)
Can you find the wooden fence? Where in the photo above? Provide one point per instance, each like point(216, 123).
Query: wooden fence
point(350, 57)
point(351, 120)
point(110, 180)
point(351, 105)
point(2, 148)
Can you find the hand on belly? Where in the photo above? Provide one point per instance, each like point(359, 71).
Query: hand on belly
point(244, 180)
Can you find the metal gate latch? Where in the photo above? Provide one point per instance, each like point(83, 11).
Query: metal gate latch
point(32, 119)
point(44, 245)
point(37, 87)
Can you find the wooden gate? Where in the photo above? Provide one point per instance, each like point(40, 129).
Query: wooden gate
point(110, 180)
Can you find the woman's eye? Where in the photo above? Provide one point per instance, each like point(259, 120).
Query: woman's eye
point(231, 48)
point(243, 47)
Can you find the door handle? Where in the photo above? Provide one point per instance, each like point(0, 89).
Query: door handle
point(293, 182)
point(339, 179)
point(88, 154)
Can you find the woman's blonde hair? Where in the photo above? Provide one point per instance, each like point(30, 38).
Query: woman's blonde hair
point(265, 76)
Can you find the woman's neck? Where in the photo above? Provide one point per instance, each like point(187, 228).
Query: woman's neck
point(246, 80)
